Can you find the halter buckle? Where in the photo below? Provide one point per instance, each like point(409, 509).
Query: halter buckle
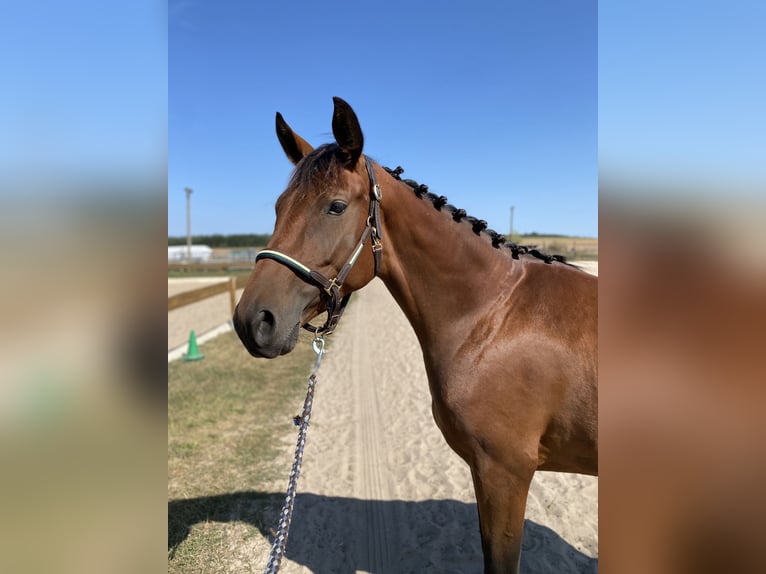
point(333, 283)
point(376, 192)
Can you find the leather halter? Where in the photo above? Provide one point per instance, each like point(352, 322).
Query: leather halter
point(331, 287)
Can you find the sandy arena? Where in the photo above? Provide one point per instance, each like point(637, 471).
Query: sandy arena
point(381, 491)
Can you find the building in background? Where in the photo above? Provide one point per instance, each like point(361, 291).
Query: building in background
point(199, 254)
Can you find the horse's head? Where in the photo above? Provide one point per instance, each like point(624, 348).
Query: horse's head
point(323, 219)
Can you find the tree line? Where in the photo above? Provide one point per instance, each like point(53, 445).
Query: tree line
point(220, 240)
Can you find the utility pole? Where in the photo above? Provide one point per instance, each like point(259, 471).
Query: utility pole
point(510, 235)
point(188, 223)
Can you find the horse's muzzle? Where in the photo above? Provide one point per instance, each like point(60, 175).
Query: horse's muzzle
point(263, 335)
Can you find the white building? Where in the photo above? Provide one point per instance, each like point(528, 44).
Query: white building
point(199, 253)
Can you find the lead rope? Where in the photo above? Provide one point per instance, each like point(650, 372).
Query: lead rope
point(302, 421)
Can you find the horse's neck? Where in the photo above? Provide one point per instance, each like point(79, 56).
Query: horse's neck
point(438, 270)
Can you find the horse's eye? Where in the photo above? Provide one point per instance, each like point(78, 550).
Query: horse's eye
point(337, 208)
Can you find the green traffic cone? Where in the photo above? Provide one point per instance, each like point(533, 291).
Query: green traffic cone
point(192, 353)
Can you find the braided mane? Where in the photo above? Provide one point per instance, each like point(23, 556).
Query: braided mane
point(322, 166)
point(478, 226)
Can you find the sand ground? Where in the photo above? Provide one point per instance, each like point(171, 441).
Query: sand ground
point(380, 491)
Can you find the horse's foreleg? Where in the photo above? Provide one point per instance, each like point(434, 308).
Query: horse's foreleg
point(501, 496)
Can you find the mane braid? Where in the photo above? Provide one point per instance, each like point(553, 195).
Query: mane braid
point(478, 226)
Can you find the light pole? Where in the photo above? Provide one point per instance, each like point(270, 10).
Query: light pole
point(188, 223)
point(511, 233)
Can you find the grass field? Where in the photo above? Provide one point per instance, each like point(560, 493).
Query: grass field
point(223, 441)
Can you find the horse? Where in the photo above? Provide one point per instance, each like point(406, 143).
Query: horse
point(508, 334)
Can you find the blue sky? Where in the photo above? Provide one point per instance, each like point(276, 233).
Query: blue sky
point(682, 89)
point(83, 91)
point(492, 104)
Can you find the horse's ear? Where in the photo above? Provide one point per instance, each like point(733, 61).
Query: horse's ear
point(347, 132)
point(294, 145)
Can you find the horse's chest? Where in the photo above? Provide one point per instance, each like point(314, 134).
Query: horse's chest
point(450, 410)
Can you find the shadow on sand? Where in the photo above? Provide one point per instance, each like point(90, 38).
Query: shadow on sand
point(345, 535)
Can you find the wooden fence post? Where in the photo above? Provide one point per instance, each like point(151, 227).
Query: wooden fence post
point(233, 293)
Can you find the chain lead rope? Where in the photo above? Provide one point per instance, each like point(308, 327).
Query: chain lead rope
point(301, 421)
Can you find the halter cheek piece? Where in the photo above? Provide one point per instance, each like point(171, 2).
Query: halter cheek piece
point(331, 287)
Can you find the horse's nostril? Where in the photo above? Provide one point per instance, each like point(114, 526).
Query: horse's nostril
point(263, 327)
point(266, 317)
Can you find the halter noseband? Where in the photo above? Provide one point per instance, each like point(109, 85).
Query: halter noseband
point(331, 287)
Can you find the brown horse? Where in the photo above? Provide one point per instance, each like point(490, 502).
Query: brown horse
point(509, 335)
